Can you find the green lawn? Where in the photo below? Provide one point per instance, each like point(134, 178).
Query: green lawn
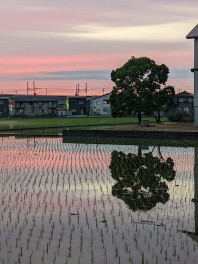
point(16, 123)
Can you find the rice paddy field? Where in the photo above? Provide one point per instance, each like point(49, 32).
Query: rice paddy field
point(54, 122)
point(97, 203)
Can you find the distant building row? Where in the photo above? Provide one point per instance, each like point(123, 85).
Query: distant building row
point(29, 105)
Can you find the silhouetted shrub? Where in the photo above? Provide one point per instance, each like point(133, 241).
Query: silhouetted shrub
point(180, 117)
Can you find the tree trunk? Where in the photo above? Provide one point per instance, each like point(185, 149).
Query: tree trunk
point(139, 117)
point(157, 117)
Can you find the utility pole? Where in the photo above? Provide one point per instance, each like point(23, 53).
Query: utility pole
point(34, 88)
point(78, 89)
point(194, 35)
point(86, 89)
point(76, 94)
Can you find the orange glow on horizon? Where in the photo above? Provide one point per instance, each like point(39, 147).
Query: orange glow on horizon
point(18, 70)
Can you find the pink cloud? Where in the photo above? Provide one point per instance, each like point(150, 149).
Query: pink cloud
point(27, 64)
point(32, 64)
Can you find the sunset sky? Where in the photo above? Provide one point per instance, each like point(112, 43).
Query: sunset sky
point(60, 43)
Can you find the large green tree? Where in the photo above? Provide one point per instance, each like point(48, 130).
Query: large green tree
point(140, 86)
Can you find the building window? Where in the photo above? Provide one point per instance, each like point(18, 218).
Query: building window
point(105, 109)
point(80, 102)
point(98, 102)
point(40, 104)
point(185, 100)
point(31, 110)
point(1, 102)
point(41, 111)
point(186, 110)
point(105, 101)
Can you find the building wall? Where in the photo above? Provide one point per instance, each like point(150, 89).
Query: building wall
point(4, 107)
point(63, 106)
point(183, 103)
point(77, 105)
point(100, 106)
point(35, 109)
point(35, 106)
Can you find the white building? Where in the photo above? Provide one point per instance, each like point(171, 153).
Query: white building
point(100, 106)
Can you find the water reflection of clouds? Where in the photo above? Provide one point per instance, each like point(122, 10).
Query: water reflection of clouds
point(69, 186)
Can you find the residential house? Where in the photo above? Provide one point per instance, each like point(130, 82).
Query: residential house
point(183, 103)
point(100, 106)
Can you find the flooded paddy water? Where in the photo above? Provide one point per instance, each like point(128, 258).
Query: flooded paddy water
point(71, 203)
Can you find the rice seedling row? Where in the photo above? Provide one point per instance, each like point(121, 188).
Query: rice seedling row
point(57, 207)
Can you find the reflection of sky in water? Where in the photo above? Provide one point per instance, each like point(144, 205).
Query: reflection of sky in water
point(46, 185)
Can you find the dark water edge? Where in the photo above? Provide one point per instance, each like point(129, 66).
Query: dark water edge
point(147, 138)
point(144, 138)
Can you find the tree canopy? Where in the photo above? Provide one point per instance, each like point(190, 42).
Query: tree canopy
point(140, 86)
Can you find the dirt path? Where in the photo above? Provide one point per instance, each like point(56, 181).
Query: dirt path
point(168, 126)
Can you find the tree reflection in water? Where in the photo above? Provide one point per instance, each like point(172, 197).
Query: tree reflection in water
point(141, 178)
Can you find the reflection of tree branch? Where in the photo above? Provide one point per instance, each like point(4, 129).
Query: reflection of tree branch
point(160, 154)
point(158, 148)
point(152, 149)
point(139, 151)
point(141, 179)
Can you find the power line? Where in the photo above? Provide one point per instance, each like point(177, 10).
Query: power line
point(83, 89)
